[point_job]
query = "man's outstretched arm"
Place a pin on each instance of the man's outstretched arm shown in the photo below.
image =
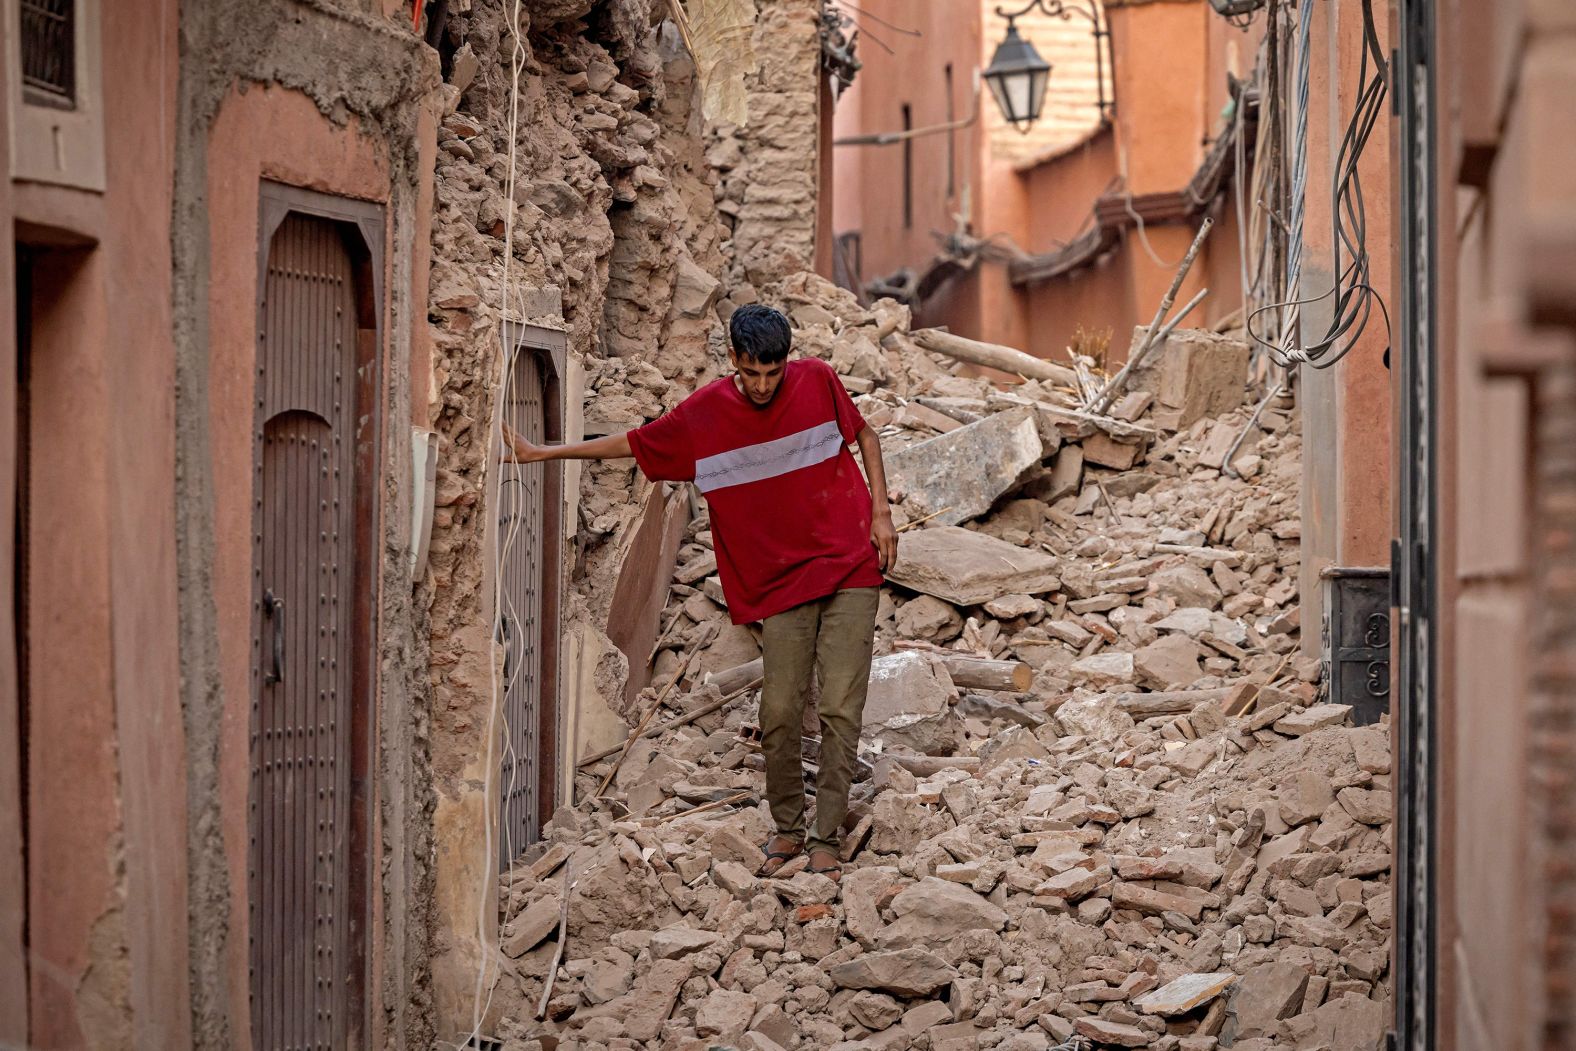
(517, 450)
(882, 535)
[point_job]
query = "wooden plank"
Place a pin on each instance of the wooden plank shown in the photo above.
(635, 616)
(993, 355)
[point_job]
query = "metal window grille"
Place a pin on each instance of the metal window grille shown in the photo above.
(49, 52)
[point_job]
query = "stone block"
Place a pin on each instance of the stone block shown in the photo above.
(1202, 374)
(967, 568)
(958, 475)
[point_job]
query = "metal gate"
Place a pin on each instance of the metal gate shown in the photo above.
(1412, 573)
(527, 509)
(302, 640)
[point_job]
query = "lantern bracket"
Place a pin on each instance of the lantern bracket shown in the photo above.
(1102, 37)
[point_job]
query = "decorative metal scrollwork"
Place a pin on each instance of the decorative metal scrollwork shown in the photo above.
(1378, 634)
(1378, 679)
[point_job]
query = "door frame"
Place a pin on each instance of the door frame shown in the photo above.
(550, 346)
(1414, 574)
(362, 224)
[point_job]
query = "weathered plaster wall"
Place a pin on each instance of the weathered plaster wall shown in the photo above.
(344, 114)
(13, 862)
(1346, 408)
(101, 884)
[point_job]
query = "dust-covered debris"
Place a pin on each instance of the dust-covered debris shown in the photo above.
(1143, 829)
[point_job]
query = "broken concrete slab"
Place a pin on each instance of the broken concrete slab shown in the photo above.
(1264, 996)
(1008, 607)
(909, 682)
(934, 911)
(645, 1008)
(927, 617)
(1066, 473)
(958, 475)
(676, 942)
(1349, 1023)
(1105, 451)
(967, 568)
(1370, 807)
(1152, 902)
(909, 704)
(725, 1014)
(1191, 621)
(1308, 720)
(1308, 795)
(1115, 1034)
(908, 972)
(528, 930)
(1184, 994)
(1103, 669)
(1168, 663)
(1187, 585)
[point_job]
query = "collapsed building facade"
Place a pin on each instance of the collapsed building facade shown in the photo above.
(633, 219)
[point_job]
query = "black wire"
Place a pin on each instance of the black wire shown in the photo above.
(1354, 294)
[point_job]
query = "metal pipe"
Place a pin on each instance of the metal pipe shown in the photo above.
(888, 138)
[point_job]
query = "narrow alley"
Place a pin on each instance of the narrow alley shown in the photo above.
(787, 525)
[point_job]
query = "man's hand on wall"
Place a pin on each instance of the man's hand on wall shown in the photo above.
(517, 450)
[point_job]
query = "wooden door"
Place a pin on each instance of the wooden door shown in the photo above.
(303, 636)
(526, 534)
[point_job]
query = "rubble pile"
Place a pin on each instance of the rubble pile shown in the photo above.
(1100, 801)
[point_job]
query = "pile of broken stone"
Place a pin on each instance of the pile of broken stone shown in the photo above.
(1101, 803)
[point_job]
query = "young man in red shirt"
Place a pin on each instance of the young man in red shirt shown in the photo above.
(801, 546)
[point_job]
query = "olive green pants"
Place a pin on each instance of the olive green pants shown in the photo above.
(831, 637)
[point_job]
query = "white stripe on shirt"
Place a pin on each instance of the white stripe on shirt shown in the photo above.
(753, 463)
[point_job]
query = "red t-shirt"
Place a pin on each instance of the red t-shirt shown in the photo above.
(790, 512)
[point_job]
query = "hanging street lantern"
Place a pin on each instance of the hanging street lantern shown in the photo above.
(1018, 75)
(1235, 8)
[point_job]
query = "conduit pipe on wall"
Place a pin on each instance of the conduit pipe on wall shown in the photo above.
(891, 138)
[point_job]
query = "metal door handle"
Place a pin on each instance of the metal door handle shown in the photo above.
(508, 647)
(274, 610)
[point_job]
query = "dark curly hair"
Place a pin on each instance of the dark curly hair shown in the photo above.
(760, 334)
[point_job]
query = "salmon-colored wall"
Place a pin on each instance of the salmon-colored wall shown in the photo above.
(1364, 530)
(1505, 342)
(275, 134)
(1345, 407)
(1169, 62)
(106, 881)
(1169, 87)
(73, 781)
(867, 181)
(13, 878)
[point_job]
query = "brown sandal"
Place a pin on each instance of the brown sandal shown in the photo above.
(781, 856)
(833, 872)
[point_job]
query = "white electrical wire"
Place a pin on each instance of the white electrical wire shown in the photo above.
(1291, 321)
(1127, 200)
(482, 994)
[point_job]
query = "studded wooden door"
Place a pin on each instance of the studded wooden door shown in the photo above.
(526, 771)
(302, 638)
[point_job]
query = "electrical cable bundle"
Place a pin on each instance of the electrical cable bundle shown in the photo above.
(1353, 293)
